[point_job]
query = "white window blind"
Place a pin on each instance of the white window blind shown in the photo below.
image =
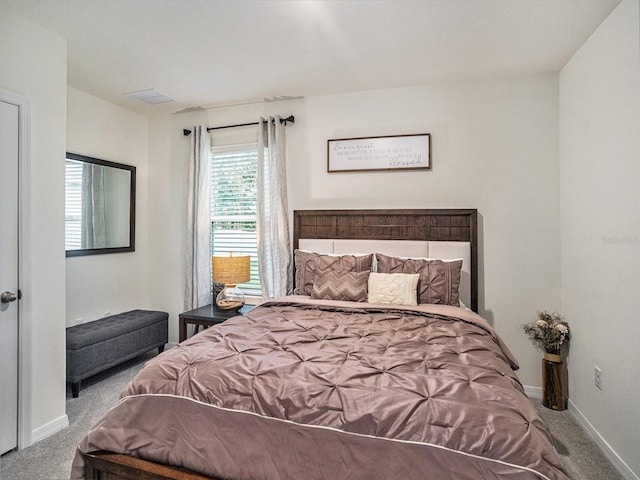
(73, 205)
(234, 171)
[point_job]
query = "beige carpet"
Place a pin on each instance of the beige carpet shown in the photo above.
(582, 458)
(51, 458)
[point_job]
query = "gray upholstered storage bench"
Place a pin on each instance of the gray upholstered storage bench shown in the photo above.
(93, 347)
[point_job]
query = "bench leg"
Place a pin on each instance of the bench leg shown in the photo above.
(75, 389)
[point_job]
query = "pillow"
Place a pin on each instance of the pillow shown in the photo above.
(308, 264)
(393, 288)
(350, 286)
(439, 280)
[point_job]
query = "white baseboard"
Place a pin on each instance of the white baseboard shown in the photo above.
(48, 429)
(533, 392)
(614, 458)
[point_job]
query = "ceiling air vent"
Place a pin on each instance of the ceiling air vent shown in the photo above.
(150, 97)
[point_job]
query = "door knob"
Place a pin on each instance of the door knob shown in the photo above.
(7, 297)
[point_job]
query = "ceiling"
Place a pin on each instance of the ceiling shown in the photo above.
(208, 53)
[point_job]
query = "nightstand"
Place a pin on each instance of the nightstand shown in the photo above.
(206, 316)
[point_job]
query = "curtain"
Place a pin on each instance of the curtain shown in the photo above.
(93, 222)
(273, 212)
(197, 291)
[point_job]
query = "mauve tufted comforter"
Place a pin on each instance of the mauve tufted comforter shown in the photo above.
(304, 389)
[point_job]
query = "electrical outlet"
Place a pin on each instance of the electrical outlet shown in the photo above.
(597, 377)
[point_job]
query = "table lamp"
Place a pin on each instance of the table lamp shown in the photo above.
(230, 271)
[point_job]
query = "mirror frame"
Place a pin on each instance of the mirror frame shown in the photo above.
(132, 208)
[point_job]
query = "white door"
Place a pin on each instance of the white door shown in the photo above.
(8, 276)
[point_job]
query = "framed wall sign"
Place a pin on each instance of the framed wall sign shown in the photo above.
(393, 152)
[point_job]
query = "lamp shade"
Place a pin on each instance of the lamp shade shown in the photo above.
(231, 270)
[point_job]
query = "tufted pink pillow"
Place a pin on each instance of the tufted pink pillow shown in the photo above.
(308, 264)
(439, 280)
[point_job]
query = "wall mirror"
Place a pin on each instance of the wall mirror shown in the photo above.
(100, 206)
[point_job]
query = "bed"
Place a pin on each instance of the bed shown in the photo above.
(324, 385)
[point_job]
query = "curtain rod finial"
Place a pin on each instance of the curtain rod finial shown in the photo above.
(186, 132)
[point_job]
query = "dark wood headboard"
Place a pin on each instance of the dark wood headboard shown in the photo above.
(454, 225)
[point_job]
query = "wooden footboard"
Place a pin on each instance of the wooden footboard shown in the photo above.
(115, 466)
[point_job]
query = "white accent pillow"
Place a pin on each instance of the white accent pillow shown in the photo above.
(393, 288)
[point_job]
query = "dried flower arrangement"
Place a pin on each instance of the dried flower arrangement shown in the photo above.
(548, 333)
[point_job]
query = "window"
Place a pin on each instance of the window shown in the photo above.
(234, 172)
(73, 205)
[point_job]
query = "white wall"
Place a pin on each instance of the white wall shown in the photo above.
(494, 148)
(169, 149)
(600, 197)
(115, 282)
(34, 64)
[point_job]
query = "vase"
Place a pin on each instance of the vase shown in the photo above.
(554, 382)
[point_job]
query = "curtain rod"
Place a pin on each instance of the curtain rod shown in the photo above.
(290, 119)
